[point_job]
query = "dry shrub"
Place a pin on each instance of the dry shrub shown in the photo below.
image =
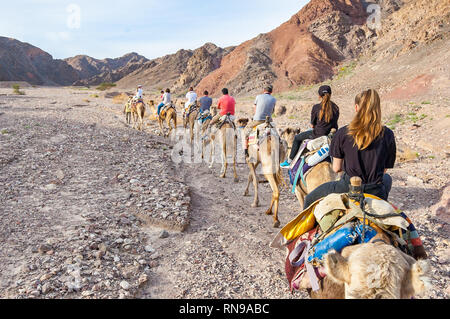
(121, 98)
(406, 155)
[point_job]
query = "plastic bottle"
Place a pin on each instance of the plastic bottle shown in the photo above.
(319, 156)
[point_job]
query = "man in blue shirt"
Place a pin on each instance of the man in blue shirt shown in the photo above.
(205, 102)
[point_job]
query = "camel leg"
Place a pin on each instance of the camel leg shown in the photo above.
(275, 199)
(236, 179)
(255, 183)
(161, 126)
(250, 177)
(224, 155)
(300, 194)
(213, 151)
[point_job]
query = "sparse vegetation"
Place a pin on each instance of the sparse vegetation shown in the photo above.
(4, 131)
(94, 95)
(16, 89)
(426, 102)
(346, 70)
(105, 86)
(398, 118)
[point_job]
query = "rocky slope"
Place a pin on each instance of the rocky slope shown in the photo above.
(303, 50)
(178, 71)
(94, 71)
(21, 61)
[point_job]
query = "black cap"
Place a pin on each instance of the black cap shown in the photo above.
(324, 89)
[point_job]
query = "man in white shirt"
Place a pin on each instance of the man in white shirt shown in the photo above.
(139, 93)
(191, 97)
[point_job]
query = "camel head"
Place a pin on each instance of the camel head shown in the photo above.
(151, 102)
(242, 122)
(288, 135)
(377, 271)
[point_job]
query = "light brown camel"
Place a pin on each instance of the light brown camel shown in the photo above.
(168, 116)
(374, 270)
(269, 154)
(320, 174)
(205, 139)
(228, 137)
(138, 111)
(190, 120)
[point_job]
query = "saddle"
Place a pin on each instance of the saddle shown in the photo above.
(135, 102)
(192, 108)
(202, 117)
(303, 161)
(335, 222)
(228, 118)
(261, 132)
(165, 108)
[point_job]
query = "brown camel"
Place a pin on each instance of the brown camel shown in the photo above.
(375, 270)
(270, 153)
(190, 121)
(320, 174)
(168, 116)
(138, 111)
(228, 137)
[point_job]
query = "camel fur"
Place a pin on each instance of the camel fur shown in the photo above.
(374, 270)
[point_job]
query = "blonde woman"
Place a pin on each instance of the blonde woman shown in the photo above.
(365, 148)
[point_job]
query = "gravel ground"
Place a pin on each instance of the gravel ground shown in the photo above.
(94, 209)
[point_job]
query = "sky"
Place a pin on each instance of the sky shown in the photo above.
(152, 28)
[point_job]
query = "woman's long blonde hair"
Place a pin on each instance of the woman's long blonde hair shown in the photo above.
(366, 125)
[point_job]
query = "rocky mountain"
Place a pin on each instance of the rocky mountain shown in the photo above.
(178, 71)
(304, 50)
(21, 61)
(94, 71)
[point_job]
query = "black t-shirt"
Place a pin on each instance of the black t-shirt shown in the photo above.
(322, 128)
(370, 163)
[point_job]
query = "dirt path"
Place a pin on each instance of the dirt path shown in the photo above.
(75, 182)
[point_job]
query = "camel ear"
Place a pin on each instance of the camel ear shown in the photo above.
(416, 281)
(336, 267)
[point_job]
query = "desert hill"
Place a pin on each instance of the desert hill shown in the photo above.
(21, 61)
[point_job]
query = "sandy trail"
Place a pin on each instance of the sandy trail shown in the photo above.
(61, 164)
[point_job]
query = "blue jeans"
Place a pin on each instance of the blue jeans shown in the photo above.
(342, 186)
(160, 107)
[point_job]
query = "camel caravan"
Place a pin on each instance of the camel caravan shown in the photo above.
(348, 241)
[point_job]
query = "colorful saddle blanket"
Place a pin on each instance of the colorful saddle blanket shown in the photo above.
(307, 242)
(202, 117)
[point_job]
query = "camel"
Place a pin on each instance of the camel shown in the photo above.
(204, 137)
(190, 120)
(320, 174)
(270, 162)
(169, 116)
(226, 140)
(376, 270)
(138, 111)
